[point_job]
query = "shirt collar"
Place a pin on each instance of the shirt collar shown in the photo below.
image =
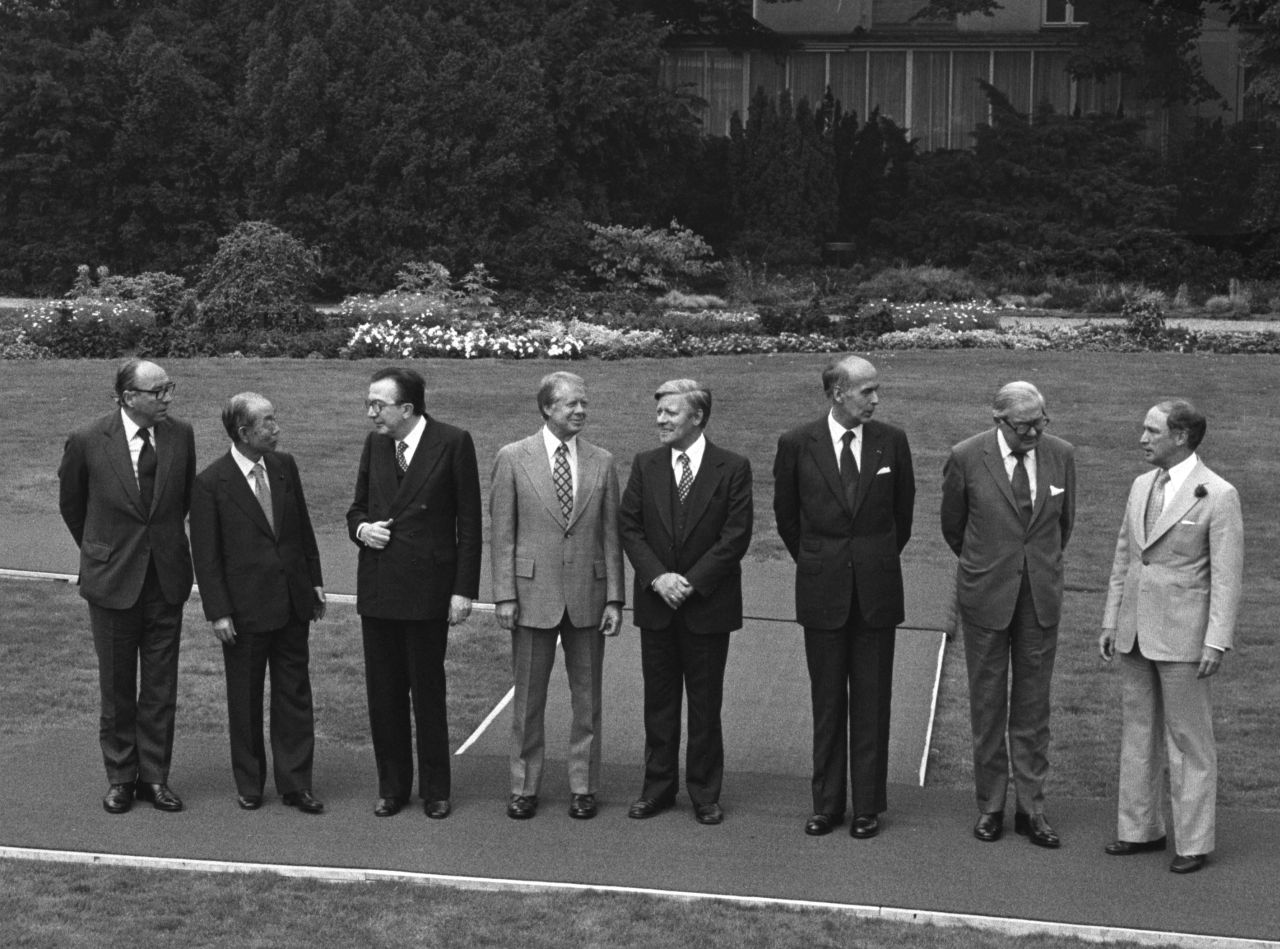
(414, 435)
(694, 452)
(1006, 451)
(1179, 473)
(245, 465)
(131, 428)
(837, 430)
(551, 443)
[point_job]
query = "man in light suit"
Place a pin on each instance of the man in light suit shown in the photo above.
(416, 518)
(1171, 615)
(686, 524)
(844, 494)
(125, 489)
(259, 571)
(1008, 505)
(557, 571)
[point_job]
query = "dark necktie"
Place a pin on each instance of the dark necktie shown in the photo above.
(262, 492)
(563, 479)
(686, 478)
(848, 468)
(1155, 502)
(401, 460)
(1022, 486)
(146, 469)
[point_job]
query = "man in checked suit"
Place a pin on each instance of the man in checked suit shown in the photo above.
(844, 493)
(557, 572)
(416, 518)
(1171, 615)
(1008, 505)
(259, 571)
(124, 495)
(686, 524)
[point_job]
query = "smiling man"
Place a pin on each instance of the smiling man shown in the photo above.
(685, 520)
(1008, 506)
(843, 498)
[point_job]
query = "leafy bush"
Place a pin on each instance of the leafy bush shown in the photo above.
(918, 284)
(630, 257)
(260, 278)
(87, 327)
(1144, 317)
(15, 344)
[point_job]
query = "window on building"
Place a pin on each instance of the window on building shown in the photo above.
(1064, 13)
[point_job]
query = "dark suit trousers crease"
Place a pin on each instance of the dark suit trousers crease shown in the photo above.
(404, 676)
(851, 685)
(1026, 650)
(285, 652)
(674, 661)
(135, 728)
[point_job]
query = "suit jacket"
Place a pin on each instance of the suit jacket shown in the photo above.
(1178, 589)
(548, 564)
(436, 539)
(258, 575)
(708, 552)
(835, 547)
(101, 505)
(983, 526)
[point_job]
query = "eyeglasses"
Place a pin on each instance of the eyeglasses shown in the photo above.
(1026, 428)
(160, 392)
(377, 405)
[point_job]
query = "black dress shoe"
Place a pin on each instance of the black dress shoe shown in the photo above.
(387, 807)
(522, 806)
(990, 827)
(708, 813)
(1188, 864)
(647, 807)
(119, 798)
(1036, 828)
(1127, 848)
(161, 798)
(582, 806)
(304, 801)
(819, 825)
(864, 826)
(437, 810)
(249, 802)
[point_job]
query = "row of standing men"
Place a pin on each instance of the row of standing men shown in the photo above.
(844, 492)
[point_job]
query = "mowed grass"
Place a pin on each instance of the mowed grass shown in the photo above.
(1096, 401)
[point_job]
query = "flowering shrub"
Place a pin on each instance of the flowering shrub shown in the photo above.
(647, 257)
(940, 337)
(87, 327)
(14, 344)
(416, 341)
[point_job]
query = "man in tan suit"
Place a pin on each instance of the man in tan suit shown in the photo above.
(557, 571)
(1171, 615)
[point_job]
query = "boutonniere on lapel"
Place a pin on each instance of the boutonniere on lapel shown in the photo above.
(1201, 491)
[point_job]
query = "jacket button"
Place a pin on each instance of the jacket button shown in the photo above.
(1146, 562)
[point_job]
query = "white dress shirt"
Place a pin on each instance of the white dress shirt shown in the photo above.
(695, 453)
(551, 443)
(131, 429)
(1011, 463)
(837, 440)
(1177, 475)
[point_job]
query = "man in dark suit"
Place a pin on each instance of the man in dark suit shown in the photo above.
(259, 571)
(1008, 505)
(844, 493)
(124, 494)
(416, 518)
(685, 521)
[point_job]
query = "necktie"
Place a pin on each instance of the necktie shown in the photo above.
(401, 460)
(563, 480)
(848, 468)
(1155, 502)
(686, 478)
(262, 492)
(1022, 486)
(146, 469)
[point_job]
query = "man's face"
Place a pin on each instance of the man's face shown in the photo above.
(1160, 446)
(384, 409)
(147, 402)
(677, 422)
(855, 399)
(262, 434)
(567, 413)
(1023, 424)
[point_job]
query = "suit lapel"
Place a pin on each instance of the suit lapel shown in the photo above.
(995, 465)
(589, 470)
(1044, 463)
(657, 472)
(166, 451)
(872, 452)
(824, 457)
(425, 458)
(117, 450)
(538, 470)
(704, 486)
(1175, 508)
(279, 487)
(242, 495)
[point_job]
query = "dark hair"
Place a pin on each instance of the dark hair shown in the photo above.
(126, 377)
(551, 383)
(1182, 416)
(237, 412)
(695, 394)
(411, 388)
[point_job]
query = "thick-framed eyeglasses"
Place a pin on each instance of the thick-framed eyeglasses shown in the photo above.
(160, 392)
(377, 406)
(1026, 428)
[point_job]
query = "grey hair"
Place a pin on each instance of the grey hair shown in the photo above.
(696, 396)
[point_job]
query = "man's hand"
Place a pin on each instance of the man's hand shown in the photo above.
(1107, 644)
(673, 588)
(507, 612)
(1210, 662)
(224, 631)
(377, 534)
(611, 621)
(459, 609)
(317, 611)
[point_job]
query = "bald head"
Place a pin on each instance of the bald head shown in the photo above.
(852, 386)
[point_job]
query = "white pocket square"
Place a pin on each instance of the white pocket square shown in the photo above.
(1192, 523)
(884, 470)
(1054, 490)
